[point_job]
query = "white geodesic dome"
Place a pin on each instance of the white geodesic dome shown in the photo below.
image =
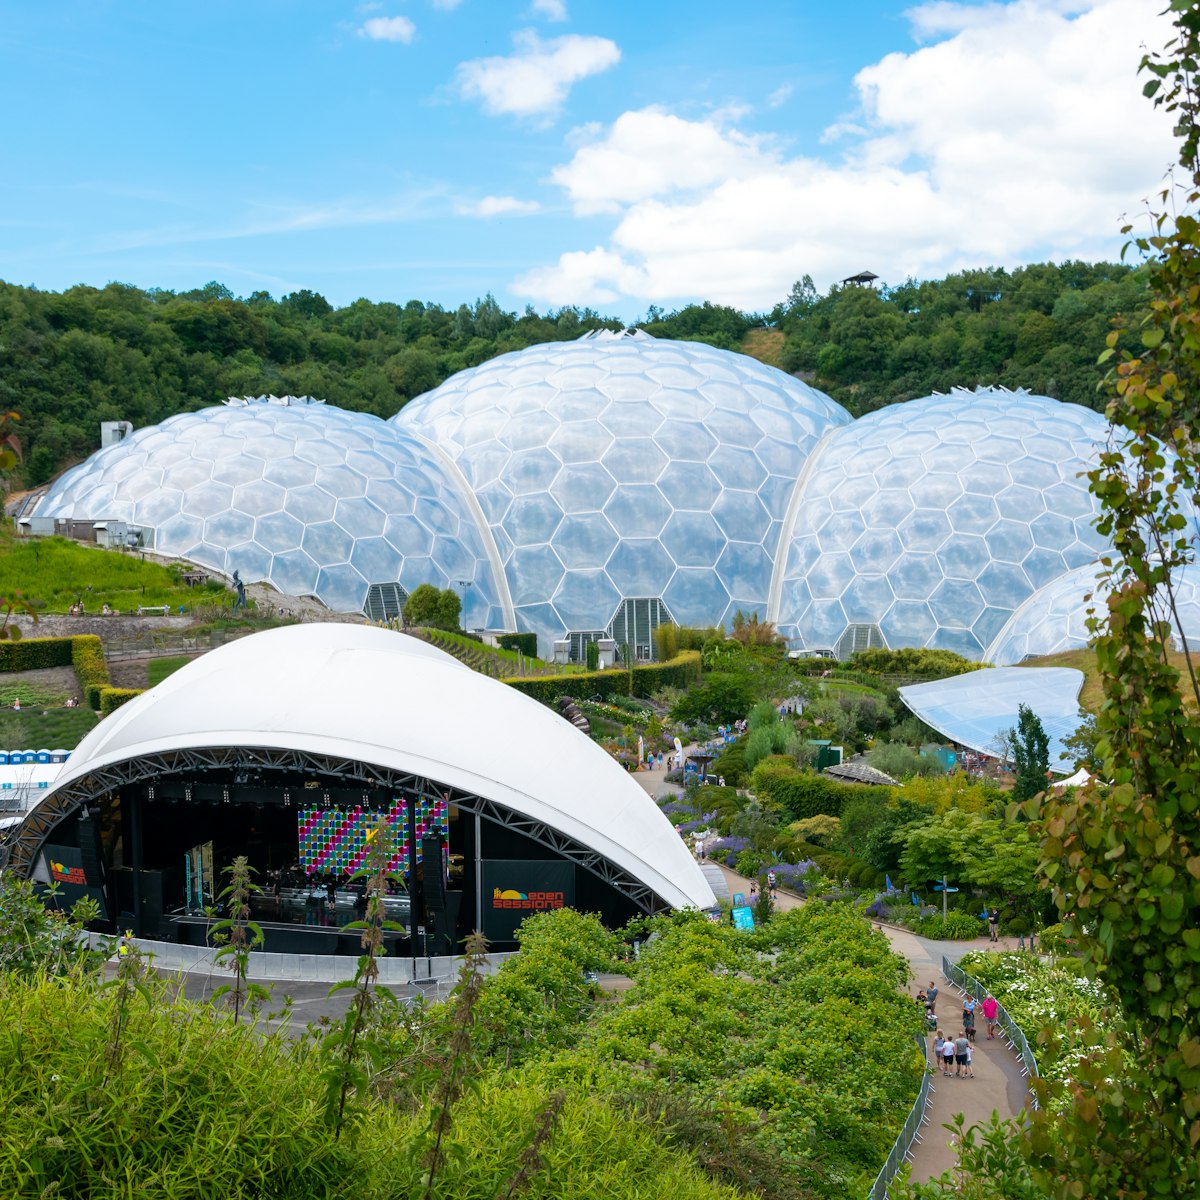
(306, 496)
(624, 467)
(931, 521)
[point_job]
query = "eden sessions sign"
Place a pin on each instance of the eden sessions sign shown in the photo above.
(64, 866)
(513, 889)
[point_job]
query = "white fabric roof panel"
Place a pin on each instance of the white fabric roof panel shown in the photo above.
(973, 709)
(380, 697)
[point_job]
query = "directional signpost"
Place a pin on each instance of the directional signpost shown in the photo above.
(941, 887)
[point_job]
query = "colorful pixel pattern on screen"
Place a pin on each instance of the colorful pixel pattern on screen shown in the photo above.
(337, 841)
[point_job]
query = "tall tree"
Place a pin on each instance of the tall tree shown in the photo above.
(1030, 753)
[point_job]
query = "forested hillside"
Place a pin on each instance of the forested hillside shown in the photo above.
(69, 361)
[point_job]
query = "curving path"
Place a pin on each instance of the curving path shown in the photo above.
(998, 1085)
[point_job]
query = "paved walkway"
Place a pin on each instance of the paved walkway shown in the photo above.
(998, 1084)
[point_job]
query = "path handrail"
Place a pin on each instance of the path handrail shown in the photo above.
(1013, 1033)
(908, 1134)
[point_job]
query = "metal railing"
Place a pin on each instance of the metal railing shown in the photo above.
(1014, 1035)
(909, 1134)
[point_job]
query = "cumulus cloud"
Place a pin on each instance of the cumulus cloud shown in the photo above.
(649, 153)
(552, 10)
(499, 206)
(780, 95)
(1020, 133)
(536, 78)
(388, 29)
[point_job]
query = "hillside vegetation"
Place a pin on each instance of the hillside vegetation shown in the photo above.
(73, 359)
(54, 572)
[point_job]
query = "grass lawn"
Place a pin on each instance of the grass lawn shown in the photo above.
(52, 572)
(51, 729)
(157, 669)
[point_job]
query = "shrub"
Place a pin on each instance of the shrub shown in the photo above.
(91, 668)
(526, 643)
(748, 863)
(112, 698)
(730, 764)
(593, 656)
(957, 926)
(646, 680)
(35, 654)
(800, 794)
(1055, 940)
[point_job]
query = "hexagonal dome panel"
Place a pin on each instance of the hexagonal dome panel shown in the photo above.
(308, 497)
(962, 504)
(690, 454)
(1055, 617)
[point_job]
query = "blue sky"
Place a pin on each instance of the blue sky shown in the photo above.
(560, 151)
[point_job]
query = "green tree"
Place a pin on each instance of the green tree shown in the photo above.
(1029, 749)
(433, 608)
(721, 697)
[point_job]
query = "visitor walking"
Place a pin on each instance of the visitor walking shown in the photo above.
(968, 1011)
(961, 1047)
(931, 995)
(994, 924)
(990, 1009)
(947, 1057)
(970, 1061)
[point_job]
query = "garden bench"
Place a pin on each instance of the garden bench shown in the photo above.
(149, 610)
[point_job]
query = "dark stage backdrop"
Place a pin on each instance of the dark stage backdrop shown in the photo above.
(515, 888)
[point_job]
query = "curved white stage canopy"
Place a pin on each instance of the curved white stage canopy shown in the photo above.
(378, 697)
(975, 708)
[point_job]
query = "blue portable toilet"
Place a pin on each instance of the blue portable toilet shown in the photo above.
(43, 756)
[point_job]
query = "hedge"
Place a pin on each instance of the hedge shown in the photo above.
(35, 654)
(680, 672)
(91, 667)
(802, 793)
(526, 643)
(112, 698)
(84, 652)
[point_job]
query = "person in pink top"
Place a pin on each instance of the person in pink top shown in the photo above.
(989, 1015)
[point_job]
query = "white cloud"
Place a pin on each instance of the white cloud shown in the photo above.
(649, 153)
(535, 79)
(1021, 134)
(388, 29)
(446, 5)
(780, 95)
(552, 10)
(499, 206)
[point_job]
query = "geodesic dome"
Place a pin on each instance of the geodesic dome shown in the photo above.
(311, 498)
(1055, 617)
(626, 468)
(928, 523)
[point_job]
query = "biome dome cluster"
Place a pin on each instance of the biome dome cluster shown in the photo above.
(600, 487)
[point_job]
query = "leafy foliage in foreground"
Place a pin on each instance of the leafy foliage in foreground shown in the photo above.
(756, 1027)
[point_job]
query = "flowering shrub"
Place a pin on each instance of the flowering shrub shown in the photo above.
(1041, 994)
(802, 877)
(723, 849)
